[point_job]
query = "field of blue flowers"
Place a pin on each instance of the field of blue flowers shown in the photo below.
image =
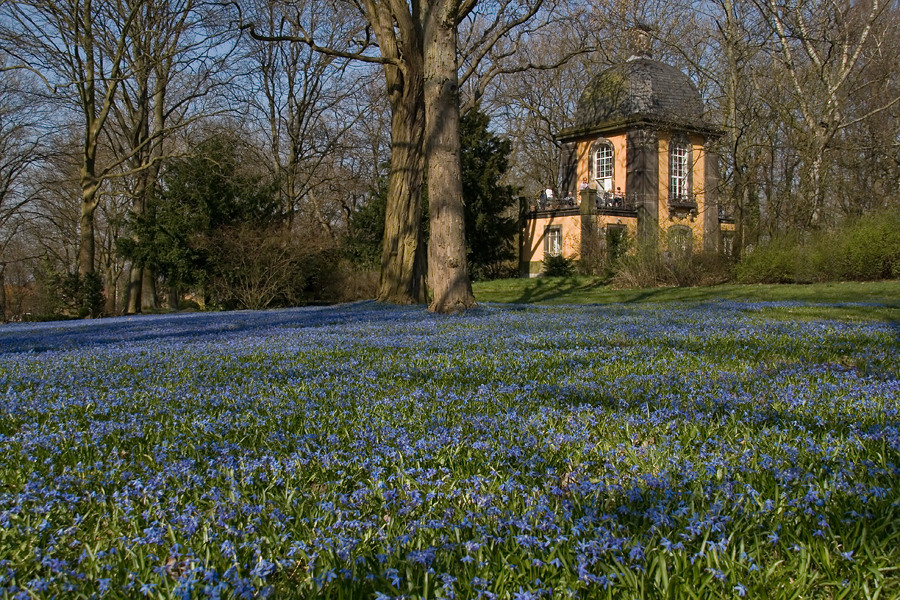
(718, 450)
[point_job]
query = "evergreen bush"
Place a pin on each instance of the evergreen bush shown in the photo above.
(558, 266)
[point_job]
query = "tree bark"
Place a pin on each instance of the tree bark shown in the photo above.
(448, 272)
(403, 250)
(112, 292)
(402, 256)
(173, 296)
(133, 292)
(87, 244)
(2, 293)
(150, 299)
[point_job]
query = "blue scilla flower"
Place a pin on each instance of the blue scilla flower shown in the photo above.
(147, 588)
(263, 569)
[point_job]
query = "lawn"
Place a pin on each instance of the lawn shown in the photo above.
(711, 448)
(592, 290)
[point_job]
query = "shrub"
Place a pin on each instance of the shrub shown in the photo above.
(558, 266)
(262, 268)
(865, 249)
(63, 295)
(774, 263)
(648, 268)
(870, 249)
(643, 269)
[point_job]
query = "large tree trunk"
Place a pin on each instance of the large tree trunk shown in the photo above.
(402, 256)
(112, 291)
(447, 270)
(133, 292)
(403, 249)
(173, 297)
(148, 287)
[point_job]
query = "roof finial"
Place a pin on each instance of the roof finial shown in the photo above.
(641, 41)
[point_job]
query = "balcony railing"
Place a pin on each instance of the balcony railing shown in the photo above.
(682, 203)
(602, 203)
(608, 201)
(682, 206)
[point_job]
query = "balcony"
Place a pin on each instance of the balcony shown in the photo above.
(617, 204)
(591, 202)
(682, 205)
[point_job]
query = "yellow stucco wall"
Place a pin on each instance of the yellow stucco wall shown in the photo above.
(628, 222)
(698, 176)
(535, 232)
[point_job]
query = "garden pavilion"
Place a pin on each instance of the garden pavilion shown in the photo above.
(637, 166)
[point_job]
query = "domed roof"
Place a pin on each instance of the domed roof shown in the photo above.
(639, 89)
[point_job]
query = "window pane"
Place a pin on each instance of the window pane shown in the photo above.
(554, 241)
(678, 170)
(603, 166)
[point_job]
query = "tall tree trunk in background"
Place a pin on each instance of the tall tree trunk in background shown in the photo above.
(109, 276)
(447, 270)
(150, 297)
(95, 112)
(173, 297)
(2, 293)
(732, 127)
(133, 291)
(90, 188)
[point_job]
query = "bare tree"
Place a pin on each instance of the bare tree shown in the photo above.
(823, 48)
(175, 59)
(418, 49)
(308, 106)
(21, 150)
(79, 46)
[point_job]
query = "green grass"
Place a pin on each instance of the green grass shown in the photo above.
(592, 290)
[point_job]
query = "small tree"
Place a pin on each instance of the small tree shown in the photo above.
(490, 221)
(365, 231)
(200, 196)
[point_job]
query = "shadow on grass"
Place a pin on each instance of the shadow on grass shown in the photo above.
(880, 300)
(550, 289)
(196, 326)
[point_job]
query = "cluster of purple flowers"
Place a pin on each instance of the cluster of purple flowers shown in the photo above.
(375, 451)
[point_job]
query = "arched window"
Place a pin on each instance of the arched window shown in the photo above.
(679, 170)
(681, 241)
(603, 165)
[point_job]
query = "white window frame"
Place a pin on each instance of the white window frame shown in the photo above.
(603, 165)
(554, 241)
(679, 170)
